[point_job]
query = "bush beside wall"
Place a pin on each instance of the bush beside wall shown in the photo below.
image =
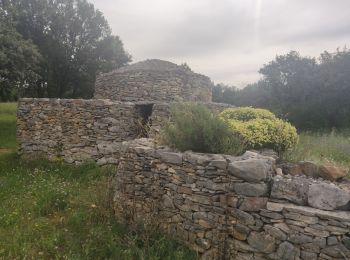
(261, 129)
(194, 127)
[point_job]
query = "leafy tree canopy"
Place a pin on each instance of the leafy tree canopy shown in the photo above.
(74, 40)
(19, 61)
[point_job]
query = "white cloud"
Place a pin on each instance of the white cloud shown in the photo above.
(228, 40)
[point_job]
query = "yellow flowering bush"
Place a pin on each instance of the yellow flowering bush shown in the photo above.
(261, 129)
(246, 114)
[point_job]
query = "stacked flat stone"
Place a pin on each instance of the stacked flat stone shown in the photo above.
(78, 130)
(153, 80)
(229, 207)
(74, 129)
(224, 207)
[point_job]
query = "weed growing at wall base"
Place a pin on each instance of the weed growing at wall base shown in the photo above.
(54, 211)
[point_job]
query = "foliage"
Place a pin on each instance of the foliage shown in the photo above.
(261, 129)
(246, 114)
(55, 211)
(19, 61)
(194, 127)
(74, 40)
(332, 147)
(311, 93)
(8, 125)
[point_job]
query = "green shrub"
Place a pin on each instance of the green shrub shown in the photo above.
(261, 129)
(246, 114)
(194, 127)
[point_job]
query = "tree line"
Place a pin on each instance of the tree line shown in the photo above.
(54, 48)
(312, 93)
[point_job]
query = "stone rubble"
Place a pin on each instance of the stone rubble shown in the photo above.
(325, 171)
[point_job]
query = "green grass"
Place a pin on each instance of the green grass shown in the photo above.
(8, 125)
(322, 147)
(54, 211)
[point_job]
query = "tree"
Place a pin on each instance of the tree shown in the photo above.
(225, 94)
(311, 93)
(334, 73)
(75, 40)
(19, 62)
(289, 78)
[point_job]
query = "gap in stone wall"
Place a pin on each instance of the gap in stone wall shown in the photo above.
(145, 111)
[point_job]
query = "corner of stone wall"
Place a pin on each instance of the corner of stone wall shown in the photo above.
(75, 130)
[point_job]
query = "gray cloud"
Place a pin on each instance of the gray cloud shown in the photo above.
(228, 40)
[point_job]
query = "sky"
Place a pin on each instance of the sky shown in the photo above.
(227, 40)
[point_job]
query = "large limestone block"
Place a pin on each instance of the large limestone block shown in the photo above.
(251, 170)
(170, 157)
(328, 196)
(341, 216)
(291, 189)
(331, 172)
(251, 189)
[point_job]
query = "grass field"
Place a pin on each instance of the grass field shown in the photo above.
(8, 125)
(331, 147)
(55, 211)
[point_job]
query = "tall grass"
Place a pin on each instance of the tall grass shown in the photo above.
(331, 147)
(54, 211)
(8, 125)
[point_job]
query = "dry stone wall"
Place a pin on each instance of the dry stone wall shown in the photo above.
(75, 129)
(228, 207)
(78, 130)
(153, 80)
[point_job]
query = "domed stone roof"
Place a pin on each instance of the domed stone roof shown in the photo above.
(153, 80)
(153, 65)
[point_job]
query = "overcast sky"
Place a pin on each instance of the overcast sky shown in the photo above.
(227, 40)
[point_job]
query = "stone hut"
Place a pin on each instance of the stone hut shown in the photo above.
(131, 102)
(224, 207)
(153, 80)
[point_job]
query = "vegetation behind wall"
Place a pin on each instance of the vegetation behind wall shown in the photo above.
(310, 93)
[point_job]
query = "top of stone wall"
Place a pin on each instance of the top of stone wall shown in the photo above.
(153, 65)
(253, 167)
